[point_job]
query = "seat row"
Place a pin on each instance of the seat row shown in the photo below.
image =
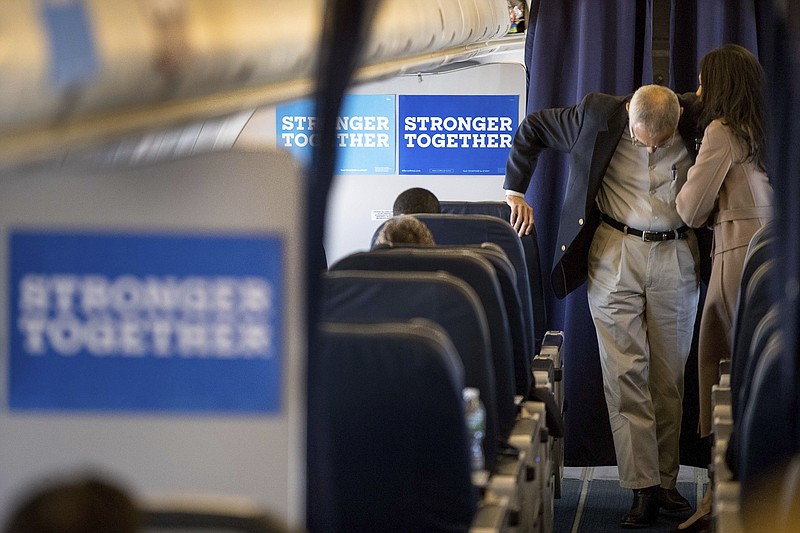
(751, 408)
(404, 330)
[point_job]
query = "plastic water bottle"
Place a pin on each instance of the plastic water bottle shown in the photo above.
(476, 426)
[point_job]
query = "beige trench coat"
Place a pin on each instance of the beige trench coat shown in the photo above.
(735, 198)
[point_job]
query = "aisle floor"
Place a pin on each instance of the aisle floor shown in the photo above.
(592, 500)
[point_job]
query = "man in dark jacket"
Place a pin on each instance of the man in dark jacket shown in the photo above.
(619, 230)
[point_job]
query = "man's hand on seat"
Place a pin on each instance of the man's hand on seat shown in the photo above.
(521, 215)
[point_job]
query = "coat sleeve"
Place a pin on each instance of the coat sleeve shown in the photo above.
(697, 199)
(555, 128)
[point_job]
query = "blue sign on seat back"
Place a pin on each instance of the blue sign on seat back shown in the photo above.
(370, 297)
(480, 275)
(152, 325)
(388, 447)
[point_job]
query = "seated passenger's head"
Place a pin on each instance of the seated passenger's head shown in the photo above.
(87, 505)
(404, 229)
(416, 200)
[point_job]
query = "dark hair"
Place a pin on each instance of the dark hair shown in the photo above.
(732, 90)
(88, 505)
(416, 200)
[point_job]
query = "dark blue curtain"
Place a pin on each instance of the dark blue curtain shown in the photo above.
(575, 47)
(697, 27)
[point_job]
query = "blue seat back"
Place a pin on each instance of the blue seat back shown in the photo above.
(530, 245)
(490, 208)
(372, 297)
(762, 333)
(480, 275)
(387, 442)
(766, 442)
(520, 338)
(758, 251)
(755, 300)
(477, 229)
(523, 348)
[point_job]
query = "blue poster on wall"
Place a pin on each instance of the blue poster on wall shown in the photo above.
(145, 322)
(455, 134)
(365, 133)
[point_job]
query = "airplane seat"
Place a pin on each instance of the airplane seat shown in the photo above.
(766, 441)
(520, 335)
(506, 274)
(360, 292)
(536, 316)
(758, 251)
(227, 252)
(202, 515)
(508, 478)
(762, 333)
(546, 362)
(479, 273)
(507, 277)
(755, 322)
(369, 296)
(490, 208)
(477, 229)
(530, 245)
(472, 229)
(753, 306)
(727, 453)
(388, 446)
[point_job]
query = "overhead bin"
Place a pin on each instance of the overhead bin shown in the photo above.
(85, 57)
(403, 28)
(87, 69)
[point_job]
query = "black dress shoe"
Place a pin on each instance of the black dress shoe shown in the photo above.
(671, 501)
(644, 510)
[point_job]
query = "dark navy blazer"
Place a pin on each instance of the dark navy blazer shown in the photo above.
(589, 132)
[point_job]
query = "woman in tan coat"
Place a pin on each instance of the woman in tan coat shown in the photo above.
(728, 189)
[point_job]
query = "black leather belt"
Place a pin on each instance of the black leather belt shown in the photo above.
(646, 235)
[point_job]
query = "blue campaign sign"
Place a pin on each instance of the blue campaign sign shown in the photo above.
(145, 322)
(456, 134)
(365, 133)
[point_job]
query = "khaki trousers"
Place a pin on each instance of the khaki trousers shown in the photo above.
(643, 299)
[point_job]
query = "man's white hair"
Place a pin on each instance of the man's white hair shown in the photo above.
(655, 109)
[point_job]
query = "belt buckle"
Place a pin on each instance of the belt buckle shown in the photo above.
(659, 236)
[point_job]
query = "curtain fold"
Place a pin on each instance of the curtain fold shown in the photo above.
(699, 27)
